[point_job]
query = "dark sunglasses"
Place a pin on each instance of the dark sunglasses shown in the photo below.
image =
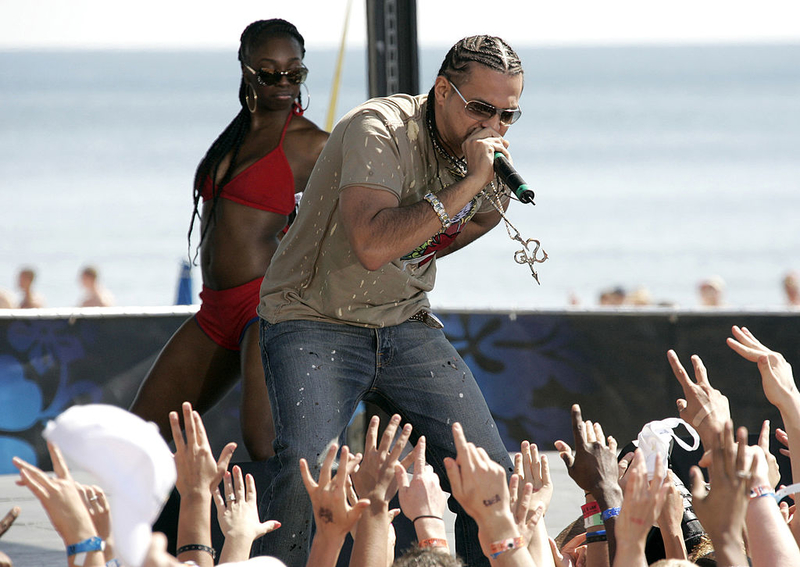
(480, 110)
(272, 78)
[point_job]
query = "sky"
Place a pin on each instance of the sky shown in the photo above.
(184, 24)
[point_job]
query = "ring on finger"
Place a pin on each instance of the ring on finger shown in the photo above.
(743, 474)
(232, 497)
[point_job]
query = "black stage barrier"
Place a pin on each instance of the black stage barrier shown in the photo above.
(531, 367)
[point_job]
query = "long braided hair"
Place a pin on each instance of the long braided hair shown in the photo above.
(230, 141)
(486, 50)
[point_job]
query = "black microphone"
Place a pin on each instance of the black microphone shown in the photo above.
(508, 175)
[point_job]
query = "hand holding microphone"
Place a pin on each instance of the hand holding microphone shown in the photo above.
(508, 175)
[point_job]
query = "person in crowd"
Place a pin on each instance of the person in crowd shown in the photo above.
(612, 296)
(7, 300)
(95, 294)
(5, 524)
(478, 483)
(244, 192)
(744, 522)
(711, 292)
(81, 514)
(639, 297)
(344, 311)
(199, 476)
(791, 287)
(30, 298)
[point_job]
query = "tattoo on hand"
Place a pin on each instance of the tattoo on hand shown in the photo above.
(494, 500)
(325, 515)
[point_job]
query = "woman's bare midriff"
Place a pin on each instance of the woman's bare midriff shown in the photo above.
(239, 246)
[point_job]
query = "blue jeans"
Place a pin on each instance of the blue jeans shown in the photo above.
(318, 372)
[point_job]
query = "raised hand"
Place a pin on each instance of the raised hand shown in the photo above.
(477, 482)
(722, 510)
(526, 514)
(532, 493)
(772, 462)
(535, 469)
(423, 496)
(776, 374)
(237, 513)
(702, 406)
(479, 485)
(61, 500)
(783, 439)
(198, 476)
(592, 464)
(643, 503)
(375, 476)
(333, 515)
(198, 471)
(669, 520)
(94, 498)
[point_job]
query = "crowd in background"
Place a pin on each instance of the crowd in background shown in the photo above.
(628, 495)
(710, 293)
(94, 293)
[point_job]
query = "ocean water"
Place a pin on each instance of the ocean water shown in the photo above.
(652, 166)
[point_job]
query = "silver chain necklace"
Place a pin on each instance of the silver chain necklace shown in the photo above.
(530, 247)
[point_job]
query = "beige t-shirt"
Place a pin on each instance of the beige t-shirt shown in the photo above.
(314, 274)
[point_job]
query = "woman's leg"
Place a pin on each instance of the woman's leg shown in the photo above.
(192, 368)
(255, 414)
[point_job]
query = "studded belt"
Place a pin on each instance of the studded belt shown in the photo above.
(425, 316)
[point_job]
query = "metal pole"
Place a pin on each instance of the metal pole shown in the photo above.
(392, 47)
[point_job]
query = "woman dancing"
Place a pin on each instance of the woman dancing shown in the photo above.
(246, 182)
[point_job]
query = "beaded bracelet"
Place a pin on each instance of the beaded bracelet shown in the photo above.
(500, 547)
(438, 208)
(611, 512)
(433, 542)
(197, 547)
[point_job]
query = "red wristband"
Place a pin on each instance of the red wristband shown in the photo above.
(433, 542)
(590, 509)
(499, 547)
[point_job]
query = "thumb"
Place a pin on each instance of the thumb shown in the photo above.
(400, 475)
(270, 526)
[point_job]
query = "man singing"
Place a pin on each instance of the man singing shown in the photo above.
(344, 311)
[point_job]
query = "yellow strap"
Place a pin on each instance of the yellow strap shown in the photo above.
(337, 74)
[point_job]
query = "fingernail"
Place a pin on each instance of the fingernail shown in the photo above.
(277, 524)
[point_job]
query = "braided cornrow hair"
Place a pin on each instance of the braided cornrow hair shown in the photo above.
(486, 50)
(232, 137)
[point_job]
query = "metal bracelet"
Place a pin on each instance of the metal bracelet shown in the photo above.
(438, 208)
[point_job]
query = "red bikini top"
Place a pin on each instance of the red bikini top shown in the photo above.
(267, 184)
